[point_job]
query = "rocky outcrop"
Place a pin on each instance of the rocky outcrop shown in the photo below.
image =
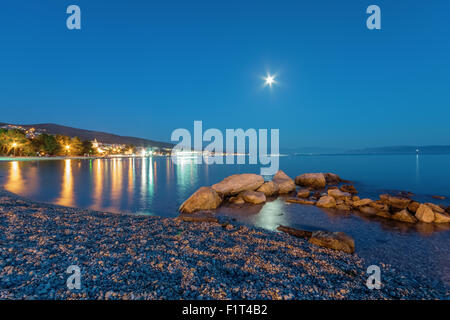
(303, 193)
(404, 216)
(326, 202)
(237, 183)
(284, 182)
(425, 214)
(269, 188)
(205, 198)
(253, 197)
(333, 240)
(313, 180)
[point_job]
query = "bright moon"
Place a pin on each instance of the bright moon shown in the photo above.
(269, 80)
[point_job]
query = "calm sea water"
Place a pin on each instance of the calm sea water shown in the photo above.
(157, 186)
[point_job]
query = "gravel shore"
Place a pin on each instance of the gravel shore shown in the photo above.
(143, 257)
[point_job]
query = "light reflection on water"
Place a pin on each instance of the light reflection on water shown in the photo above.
(157, 186)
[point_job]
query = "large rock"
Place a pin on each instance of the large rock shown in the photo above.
(332, 178)
(326, 202)
(441, 217)
(333, 240)
(313, 180)
(237, 183)
(338, 194)
(425, 214)
(395, 202)
(404, 216)
(269, 188)
(348, 188)
(284, 182)
(205, 198)
(253, 197)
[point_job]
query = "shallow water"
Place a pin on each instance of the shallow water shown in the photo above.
(157, 186)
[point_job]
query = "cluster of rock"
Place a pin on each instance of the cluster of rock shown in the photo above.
(323, 190)
(344, 198)
(238, 189)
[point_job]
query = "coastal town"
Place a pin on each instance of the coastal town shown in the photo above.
(20, 141)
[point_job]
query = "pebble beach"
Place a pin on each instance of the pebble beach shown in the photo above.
(124, 256)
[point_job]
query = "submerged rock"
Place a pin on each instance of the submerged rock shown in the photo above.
(269, 188)
(284, 182)
(425, 214)
(237, 183)
(313, 180)
(253, 197)
(333, 240)
(204, 198)
(326, 202)
(295, 232)
(300, 201)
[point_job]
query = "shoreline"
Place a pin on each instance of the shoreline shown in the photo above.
(146, 257)
(6, 159)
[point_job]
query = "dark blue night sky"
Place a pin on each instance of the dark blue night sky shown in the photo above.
(145, 68)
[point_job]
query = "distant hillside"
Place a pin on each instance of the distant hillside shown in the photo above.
(103, 137)
(404, 150)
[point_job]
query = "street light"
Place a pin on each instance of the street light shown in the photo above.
(67, 149)
(14, 145)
